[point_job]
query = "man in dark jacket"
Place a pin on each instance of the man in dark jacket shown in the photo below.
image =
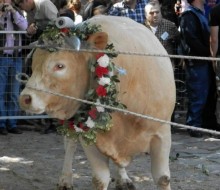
(200, 77)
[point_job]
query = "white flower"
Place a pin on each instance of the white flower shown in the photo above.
(99, 108)
(103, 61)
(90, 123)
(110, 73)
(104, 80)
(77, 129)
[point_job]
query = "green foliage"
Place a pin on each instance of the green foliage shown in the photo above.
(81, 125)
(53, 37)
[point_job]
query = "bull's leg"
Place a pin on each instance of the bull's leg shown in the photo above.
(66, 178)
(100, 167)
(159, 152)
(123, 182)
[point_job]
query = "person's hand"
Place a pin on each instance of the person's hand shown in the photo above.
(9, 8)
(32, 29)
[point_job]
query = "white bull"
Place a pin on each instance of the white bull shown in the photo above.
(148, 88)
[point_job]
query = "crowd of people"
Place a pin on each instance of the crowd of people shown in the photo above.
(187, 27)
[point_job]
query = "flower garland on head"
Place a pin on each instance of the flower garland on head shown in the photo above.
(53, 37)
(89, 119)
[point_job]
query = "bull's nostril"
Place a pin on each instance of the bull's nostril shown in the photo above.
(27, 99)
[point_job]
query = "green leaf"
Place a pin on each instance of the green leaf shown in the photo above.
(103, 121)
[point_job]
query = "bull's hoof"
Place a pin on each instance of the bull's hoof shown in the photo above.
(164, 183)
(64, 188)
(125, 186)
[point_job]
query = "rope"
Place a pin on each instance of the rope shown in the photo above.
(18, 77)
(142, 54)
(114, 52)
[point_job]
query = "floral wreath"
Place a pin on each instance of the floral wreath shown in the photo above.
(90, 119)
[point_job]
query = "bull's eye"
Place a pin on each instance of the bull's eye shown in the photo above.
(59, 66)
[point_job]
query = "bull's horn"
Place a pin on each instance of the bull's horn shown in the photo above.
(73, 42)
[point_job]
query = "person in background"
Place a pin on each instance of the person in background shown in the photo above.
(87, 10)
(64, 10)
(99, 10)
(75, 6)
(133, 9)
(214, 22)
(10, 64)
(39, 14)
(209, 5)
(200, 76)
(165, 30)
(43, 11)
(97, 7)
(184, 4)
(178, 7)
(167, 9)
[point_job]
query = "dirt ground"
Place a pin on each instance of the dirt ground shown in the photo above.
(33, 161)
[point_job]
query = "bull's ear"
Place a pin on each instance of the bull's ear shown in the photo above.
(99, 40)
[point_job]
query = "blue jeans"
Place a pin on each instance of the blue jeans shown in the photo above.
(9, 89)
(198, 84)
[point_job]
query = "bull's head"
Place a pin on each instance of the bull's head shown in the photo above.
(65, 72)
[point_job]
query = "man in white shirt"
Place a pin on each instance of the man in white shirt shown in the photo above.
(44, 13)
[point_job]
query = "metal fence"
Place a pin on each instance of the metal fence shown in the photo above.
(10, 61)
(181, 92)
(181, 103)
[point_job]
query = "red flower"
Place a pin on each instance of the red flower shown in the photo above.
(92, 113)
(83, 127)
(64, 30)
(71, 125)
(61, 122)
(101, 91)
(99, 55)
(100, 71)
